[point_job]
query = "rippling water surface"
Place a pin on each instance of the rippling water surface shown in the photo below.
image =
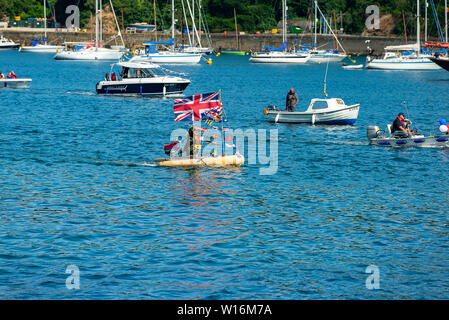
(78, 188)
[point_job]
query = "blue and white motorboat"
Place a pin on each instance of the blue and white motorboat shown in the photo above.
(380, 137)
(331, 111)
(142, 79)
(6, 44)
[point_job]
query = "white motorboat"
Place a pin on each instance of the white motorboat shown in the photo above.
(6, 44)
(331, 111)
(142, 79)
(18, 83)
(379, 137)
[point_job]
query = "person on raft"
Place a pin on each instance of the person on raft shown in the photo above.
(400, 126)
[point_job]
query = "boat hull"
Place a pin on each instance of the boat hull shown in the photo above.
(90, 54)
(416, 141)
(413, 64)
(442, 62)
(39, 49)
(320, 58)
(344, 116)
(9, 47)
(232, 160)
(279, 58)
(169, 59)
(15, 83)
(141, 88)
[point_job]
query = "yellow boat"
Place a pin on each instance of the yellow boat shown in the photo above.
(232, 160)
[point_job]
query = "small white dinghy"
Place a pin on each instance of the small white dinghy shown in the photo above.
(331, 111)
(352, 66)
(18, 83)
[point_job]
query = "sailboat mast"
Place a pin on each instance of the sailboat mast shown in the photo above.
(418, 28)
(284, 31)
(96, 24)
(236, 31)
(425, 19)
(101, 23)
(45, 21)
(314, 23)
(173, 22)
(445, 16)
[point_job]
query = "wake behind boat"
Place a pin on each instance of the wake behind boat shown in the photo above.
(331, 111)
(141, 79)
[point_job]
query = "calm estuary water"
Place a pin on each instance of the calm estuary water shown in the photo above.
(77, 189)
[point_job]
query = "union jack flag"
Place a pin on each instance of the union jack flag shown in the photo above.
(192, 108)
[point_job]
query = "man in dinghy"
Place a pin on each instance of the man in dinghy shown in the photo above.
(400, 126)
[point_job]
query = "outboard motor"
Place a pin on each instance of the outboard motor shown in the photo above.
(372, 132)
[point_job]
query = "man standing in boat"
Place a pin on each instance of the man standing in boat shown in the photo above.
(291, 101)
(401, 126)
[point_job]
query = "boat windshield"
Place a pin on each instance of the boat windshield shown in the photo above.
(146, 73)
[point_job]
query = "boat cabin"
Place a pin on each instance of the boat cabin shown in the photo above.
(134, 70)
(317, 105)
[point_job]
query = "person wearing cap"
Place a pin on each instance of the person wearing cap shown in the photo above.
(401, 126)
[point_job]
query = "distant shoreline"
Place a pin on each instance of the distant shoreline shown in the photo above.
(353, 44)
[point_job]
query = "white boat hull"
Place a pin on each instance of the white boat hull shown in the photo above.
(347, 115)
(160, 58)
(402, 64)
(40, 48)
(279, 57)
(320, 58)
(15, 83)
(90, 54)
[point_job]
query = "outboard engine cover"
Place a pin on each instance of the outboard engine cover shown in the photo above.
(372, 132)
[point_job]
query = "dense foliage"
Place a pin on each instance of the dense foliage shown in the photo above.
(252, 15)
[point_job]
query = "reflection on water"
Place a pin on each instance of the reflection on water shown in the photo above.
(79, 186)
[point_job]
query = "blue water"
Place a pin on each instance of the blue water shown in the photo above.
(78, 188)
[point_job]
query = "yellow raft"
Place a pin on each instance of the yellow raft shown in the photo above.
(233, 160)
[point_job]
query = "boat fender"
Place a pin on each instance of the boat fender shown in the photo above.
(107, 90)
(419, 140)
(384, 143)
(140, 89)
(442, 139)
(401, 142)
